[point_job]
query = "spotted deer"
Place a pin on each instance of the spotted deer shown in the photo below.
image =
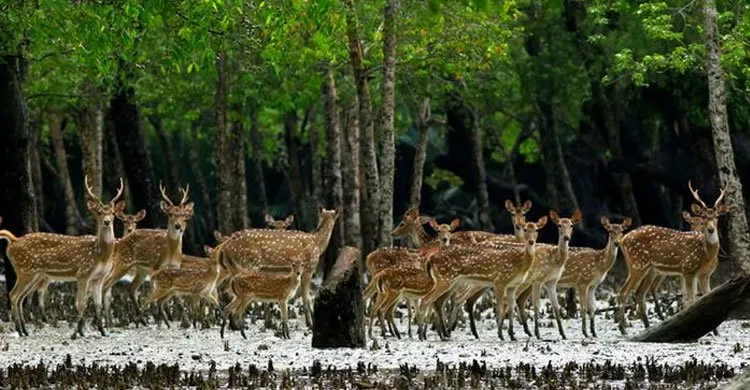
(501, 266)
(55, 257)
(471, 294)
(394, 260)
(250, 248)
(547, 270)
(197, 278)
(586, 269)
(147, 250)
(263, 286)
(280, 224)
(671, 252)
(129, 224)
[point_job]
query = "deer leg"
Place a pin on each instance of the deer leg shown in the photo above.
(305, 286)
(134, 287)
(583, 296)
(705, 284)
(390, 309)
(591, 307)
(439, 304)
(522, 315)
(81, 297)
(552, 295)
(536, 298)
(97, 288)
(41, 292)
(23, 284)
(469, 307)
(409, 309)
(655, 296)
(633, 280)
(439, 288)
(692, 284)
(511, 299)
(500, 308)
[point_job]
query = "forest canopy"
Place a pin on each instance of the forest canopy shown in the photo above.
(268, 107)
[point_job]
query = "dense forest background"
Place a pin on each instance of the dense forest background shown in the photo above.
(372, 107)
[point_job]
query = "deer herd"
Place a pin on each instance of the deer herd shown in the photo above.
(446, 272)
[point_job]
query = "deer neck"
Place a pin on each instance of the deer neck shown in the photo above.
(323, 232)
(105, 242)
(173, 255)
(419, 237)
(530, 254)
(562, 249)
(609, 254)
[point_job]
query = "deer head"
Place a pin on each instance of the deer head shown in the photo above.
(710, 215)
(697, 224)
(615, 230)
(518, 215)
(279, 225)
(565, 225)
(531, 229)
(129, 221)
(177, 215)
(410, 220)
(219, 237)
(444, 230)
(104, 212)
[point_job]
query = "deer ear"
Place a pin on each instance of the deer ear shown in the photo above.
(509, 205)
(92, 205)
(687, 216)
(577, 216)
(554, 217)
(604, 221)
(119, 207)
(218, 236)
(164, 207)
(542, 221)
(433, 223)
(627, 222)
(208, 250)
(423, 219)
(696, 209)
(141, 214)
(268, 219)
(189, 208)
(319, 206)
(289, 219)
(526, 206)
(412, 212)
(455, 223)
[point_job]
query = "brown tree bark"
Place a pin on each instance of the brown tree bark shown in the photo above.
(239, 194)
(422, 125)
(387, 147)
(257, 153)
(222, 152)
(351, 178)
(557, 176)
(334, 189)
(17, 200)
(371, 203)
(739, 237)
(316, 176)
(35, 127)
(73, 216)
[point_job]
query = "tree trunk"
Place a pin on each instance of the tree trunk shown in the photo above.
(17, 200)
(293, 170)
(369, 157)
(316, 176)
(168, 150)
(200, 179)
(257, 152)
(222, 151)
(387, 148)
(89, 121)
(73, 217)
(339, 310)
(739, 237)
(350, 170)
(334, 190)
(701, 317)
(135, 155)
(420, 153)
(237, 138)
(556, 170)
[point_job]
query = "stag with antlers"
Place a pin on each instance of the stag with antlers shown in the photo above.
(665, 251)
(40, 257)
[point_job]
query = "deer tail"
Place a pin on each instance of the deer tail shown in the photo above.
(431, 270)
(7, 235)
(371, 288)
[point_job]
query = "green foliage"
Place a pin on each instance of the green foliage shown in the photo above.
(441, 177)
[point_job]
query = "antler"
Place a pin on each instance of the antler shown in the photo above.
(164, 195)
(721, 196)
(695, 195)
(184, 194)
(90, 191)
(119, 193)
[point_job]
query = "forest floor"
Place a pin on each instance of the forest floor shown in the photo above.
(716, 357)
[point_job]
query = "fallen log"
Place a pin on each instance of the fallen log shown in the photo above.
(339, 311)
(740, 382)
(704, 315)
